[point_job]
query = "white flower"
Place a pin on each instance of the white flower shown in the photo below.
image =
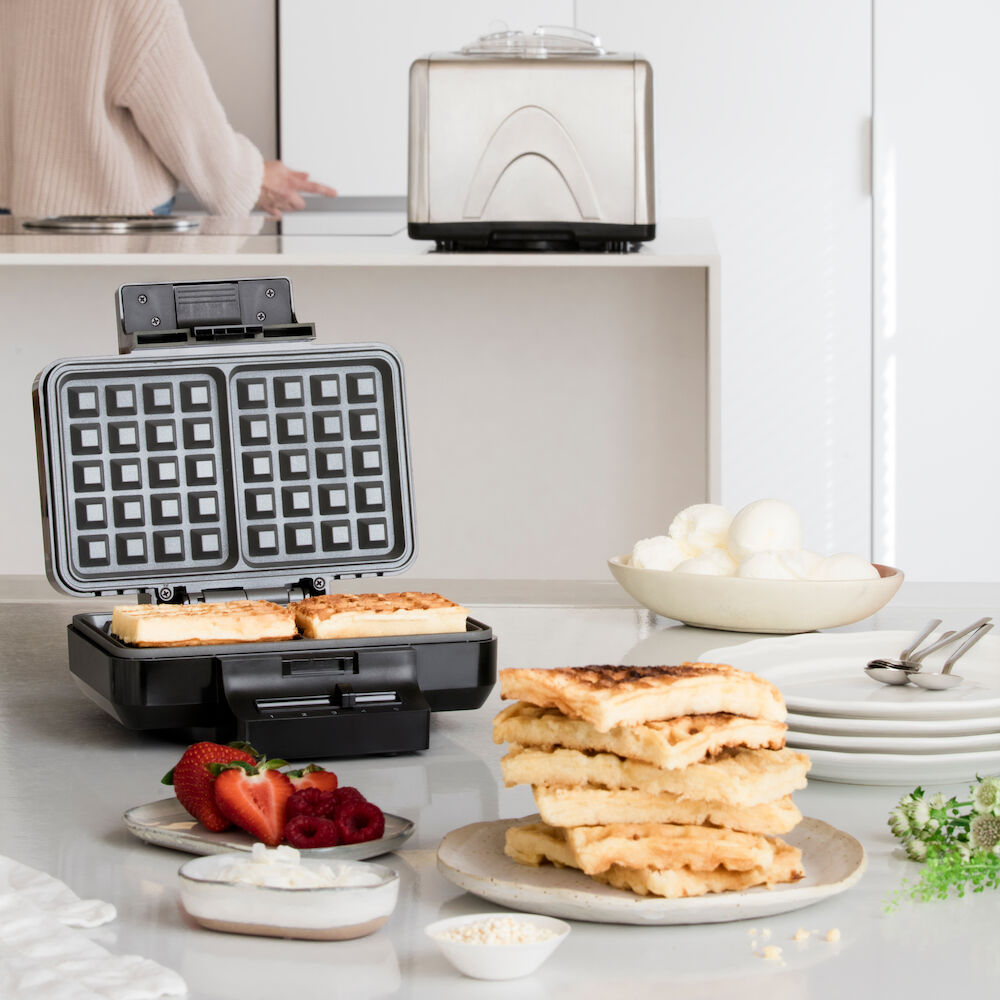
(984, 832)
(986, 796)
(899, 823)
(916, 850)
(938, 801)
(921, 813)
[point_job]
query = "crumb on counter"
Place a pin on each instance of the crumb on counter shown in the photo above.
(772, 953)
(801, 934)
(752, 932)
(833, 934)
(766, 932)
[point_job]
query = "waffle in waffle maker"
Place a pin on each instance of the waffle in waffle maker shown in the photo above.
(221, 456)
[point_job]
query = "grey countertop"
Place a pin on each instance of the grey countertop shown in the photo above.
(70, 772)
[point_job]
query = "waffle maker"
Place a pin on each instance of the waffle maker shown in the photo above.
(222, 456)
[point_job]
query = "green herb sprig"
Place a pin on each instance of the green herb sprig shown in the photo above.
(957, 842)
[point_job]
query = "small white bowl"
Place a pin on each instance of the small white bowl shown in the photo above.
(736, 604)
(334, 913)
(498, 961)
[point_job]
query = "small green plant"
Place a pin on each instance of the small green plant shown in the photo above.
(958, 843)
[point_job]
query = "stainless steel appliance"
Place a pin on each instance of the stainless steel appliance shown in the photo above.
(541, 141)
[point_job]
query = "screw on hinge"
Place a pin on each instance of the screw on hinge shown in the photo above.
(261, 317)
(165, 593)
(269, 292)
(155, 321)
(319, 584)
(143, 300)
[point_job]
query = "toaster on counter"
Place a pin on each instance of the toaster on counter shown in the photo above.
(531, 142)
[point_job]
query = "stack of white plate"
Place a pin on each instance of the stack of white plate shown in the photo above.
(859, 731)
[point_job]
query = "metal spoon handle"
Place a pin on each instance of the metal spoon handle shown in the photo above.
(948, 640)
(924, 632)
(965, 647)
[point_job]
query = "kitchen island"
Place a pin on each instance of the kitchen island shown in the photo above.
(71, 771)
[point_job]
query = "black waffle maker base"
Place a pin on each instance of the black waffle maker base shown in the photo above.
(216, 461)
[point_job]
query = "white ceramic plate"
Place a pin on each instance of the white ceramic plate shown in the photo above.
(473, 858)
(167, 823)
(824, 675)
(901, 769)
(893, 744)
(833, 725)
(735, 604)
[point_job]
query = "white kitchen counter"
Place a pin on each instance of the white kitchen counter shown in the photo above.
(70, 772)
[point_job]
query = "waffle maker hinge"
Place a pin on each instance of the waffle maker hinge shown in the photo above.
(161, 314)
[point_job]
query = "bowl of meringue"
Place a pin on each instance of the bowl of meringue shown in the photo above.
(748, 572)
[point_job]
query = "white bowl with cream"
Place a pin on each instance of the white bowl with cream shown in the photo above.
(740, 604)
(280, 894)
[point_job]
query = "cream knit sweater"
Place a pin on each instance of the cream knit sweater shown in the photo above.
(105, 105)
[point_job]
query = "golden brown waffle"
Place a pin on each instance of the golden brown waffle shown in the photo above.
(202, 624)
(626, 696)
(604, 806)
(352, 616)
(669, 743)
(534, 843)
(738, 777)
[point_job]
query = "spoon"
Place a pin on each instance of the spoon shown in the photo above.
(901, 671)
(890, 671)
(946, 679)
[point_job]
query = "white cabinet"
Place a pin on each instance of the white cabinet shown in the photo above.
(937, 256)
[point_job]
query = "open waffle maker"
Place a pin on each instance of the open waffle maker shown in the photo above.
(221, 456)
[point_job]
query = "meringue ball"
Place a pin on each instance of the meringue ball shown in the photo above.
(844, 566)
(713, 562)
(701, 526)
(762, 526)
(768, 565)
(801, 562)
(658, 552)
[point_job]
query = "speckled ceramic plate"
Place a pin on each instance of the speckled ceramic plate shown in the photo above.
(472, 857)
(167, 823)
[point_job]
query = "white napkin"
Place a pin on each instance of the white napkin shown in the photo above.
(41, 958)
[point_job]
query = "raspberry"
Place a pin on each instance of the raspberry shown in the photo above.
(311, 831)
(341, 797)
(309, 802)
(360, 821)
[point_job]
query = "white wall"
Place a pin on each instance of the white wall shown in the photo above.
(762, 116)
(937, 165)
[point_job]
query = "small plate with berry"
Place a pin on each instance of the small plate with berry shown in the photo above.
(227, 798)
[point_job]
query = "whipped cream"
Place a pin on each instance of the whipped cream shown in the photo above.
(659, 552)
(282, 868)
(701, 527)
(764, 525)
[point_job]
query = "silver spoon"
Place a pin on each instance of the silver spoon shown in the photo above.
(890, 671)
(946, 679)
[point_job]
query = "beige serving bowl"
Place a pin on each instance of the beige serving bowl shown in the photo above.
(735, 604)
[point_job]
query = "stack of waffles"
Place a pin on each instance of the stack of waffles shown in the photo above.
(667, 781)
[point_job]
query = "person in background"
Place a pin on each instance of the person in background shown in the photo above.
(105, 105)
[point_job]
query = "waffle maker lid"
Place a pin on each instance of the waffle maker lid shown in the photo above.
(222, 454)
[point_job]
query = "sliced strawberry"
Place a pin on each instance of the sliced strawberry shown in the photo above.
(193, 781)
(254, 798)
(313, 776)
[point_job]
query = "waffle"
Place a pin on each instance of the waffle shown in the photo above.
(626, 696)
(606, 806)
(352, 616)
(668, 743)
(201, 624)
(534, 843)
(737, 777)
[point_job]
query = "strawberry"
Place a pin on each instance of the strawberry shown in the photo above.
(313, 776)
(254, 798)
(193, 781)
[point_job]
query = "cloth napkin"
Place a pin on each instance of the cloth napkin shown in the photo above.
(43, 958)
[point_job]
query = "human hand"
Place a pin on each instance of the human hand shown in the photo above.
(281, 186)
